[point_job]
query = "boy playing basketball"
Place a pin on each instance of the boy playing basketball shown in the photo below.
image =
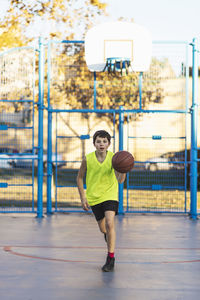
(102, 190)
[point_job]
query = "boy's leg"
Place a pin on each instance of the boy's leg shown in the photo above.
(111, 236)
(107, 226)
(102, 225)
(100, 217)
(110, 230)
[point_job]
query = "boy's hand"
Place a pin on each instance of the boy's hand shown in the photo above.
(120, 176)
(85, 204)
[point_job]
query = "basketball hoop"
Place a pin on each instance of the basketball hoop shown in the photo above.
(119, 65)
(118, 47)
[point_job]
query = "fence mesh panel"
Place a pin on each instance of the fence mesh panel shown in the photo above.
(17, 94)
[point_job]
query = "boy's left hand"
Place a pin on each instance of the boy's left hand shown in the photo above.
(85, 204)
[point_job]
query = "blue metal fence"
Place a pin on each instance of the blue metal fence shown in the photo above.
(151, 121)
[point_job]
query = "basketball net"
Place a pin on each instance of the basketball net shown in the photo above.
(118, 66)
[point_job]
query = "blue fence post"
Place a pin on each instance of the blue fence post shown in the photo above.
(40, 129)
(49, 164)
(194, 115)
(49, 136)
(121, 147)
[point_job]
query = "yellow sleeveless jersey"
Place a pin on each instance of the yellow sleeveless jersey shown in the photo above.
(101, 182)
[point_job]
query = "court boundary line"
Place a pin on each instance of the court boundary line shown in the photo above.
(10, 251)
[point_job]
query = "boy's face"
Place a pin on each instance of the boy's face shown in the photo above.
(101, 144)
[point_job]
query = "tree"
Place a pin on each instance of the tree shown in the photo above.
(63, 18)
(72, 84)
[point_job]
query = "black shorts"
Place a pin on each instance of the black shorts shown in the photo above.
(99, 209)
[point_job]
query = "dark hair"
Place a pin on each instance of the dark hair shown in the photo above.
(102, 134)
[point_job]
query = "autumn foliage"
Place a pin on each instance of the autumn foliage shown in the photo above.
(71, 84)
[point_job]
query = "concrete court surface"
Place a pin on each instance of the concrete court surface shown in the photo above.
(60, 257)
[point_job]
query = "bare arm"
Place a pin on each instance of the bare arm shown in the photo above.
(79, 180)
(120, 176)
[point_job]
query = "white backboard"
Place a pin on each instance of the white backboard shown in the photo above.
(118, 39)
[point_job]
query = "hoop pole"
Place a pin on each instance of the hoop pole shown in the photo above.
(140, 89)
(95, 90)
(194, 116)
(121, 147)
(40, 129)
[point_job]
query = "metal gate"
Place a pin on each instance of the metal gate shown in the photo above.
(18, 154)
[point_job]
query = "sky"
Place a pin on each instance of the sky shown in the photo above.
(165, 19)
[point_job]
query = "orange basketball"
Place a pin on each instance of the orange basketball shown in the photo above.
(123, 161)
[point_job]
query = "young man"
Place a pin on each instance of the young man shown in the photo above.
(102, 190)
